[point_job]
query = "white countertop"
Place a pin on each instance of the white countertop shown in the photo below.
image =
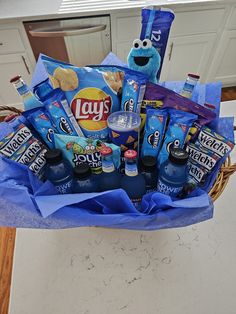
(100, 271)
(26, 10)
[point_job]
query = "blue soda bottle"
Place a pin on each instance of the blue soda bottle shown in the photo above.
(148, 167)
(173, 173)
(110, 177)
(83, 181)
(58, 171)
(133, 182)
(29, 99)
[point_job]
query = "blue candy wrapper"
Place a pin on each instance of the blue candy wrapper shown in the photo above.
(154, 132)
(177, 131)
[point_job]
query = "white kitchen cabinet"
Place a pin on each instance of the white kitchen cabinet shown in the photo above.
(11, 65)
(187, 54)
(224, 63)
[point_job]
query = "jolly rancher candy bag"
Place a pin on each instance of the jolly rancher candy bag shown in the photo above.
(91, 94)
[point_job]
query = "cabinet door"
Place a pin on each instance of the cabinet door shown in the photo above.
(10, 66)
(224, 64)
(187, 54)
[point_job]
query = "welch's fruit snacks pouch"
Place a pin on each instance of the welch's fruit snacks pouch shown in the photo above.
(79, 150)
(17, 143)
(91, 94)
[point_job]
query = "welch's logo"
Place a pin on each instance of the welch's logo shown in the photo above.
(153, 139)
(210, 142)
(201, 158)
(16, 141)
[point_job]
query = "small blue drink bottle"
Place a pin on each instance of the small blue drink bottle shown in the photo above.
(83, 181)
(58, 171)
(173, 173)
(148, 167)
(110, 177)
(133, 182)
(29, 99)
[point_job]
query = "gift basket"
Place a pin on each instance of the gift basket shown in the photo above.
(109, 145)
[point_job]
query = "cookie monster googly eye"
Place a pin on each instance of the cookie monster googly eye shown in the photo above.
(137, 43)
(147, 43)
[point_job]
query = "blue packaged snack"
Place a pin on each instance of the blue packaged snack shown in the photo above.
(134, 87)
(61, 114)
(156, 26)
(154, 132)
(42, 124)
(17, 143)
(78, 150)
(91, 94)
(177, 131)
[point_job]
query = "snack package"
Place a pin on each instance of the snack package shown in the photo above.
(91, 94)
(42, 124)
(214, 142)
(156, 26)
(133, 92)
(79, 149)
(177, 131)
(61, 114)
(154, 97)
(154, 132)
(17, 143)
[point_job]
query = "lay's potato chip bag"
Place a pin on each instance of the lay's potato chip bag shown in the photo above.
(91, 94)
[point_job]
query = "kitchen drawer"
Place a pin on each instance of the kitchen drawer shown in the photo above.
(197, 22)
(232, 19)
(10, 41)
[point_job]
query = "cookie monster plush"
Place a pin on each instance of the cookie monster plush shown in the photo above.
(145, 58)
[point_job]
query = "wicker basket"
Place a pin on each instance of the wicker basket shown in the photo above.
(222, 179)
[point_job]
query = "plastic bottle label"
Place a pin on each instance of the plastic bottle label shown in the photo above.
(64, 188)
(168, 189)
(107, 166)
(131, 169)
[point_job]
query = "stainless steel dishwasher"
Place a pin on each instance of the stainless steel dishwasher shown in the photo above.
(79, 41)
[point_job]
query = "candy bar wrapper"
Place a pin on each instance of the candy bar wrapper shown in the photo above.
(78, 150)
(154, 132)
(18, 144)
(177, 131)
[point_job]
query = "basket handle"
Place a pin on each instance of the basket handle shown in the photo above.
(11, 109)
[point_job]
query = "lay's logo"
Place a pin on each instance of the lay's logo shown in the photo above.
(91, 107)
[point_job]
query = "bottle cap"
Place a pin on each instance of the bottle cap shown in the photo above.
(15, 79)
(178, 155)
(53, 156)
(195, 76)
(130, 154)
(105, 151)
(148, 162)
(82, 171)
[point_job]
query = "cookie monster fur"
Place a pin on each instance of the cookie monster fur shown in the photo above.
(143, 57)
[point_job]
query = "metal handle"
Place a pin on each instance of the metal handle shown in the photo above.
(171, 49)
(26, 65)
(42, 32)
